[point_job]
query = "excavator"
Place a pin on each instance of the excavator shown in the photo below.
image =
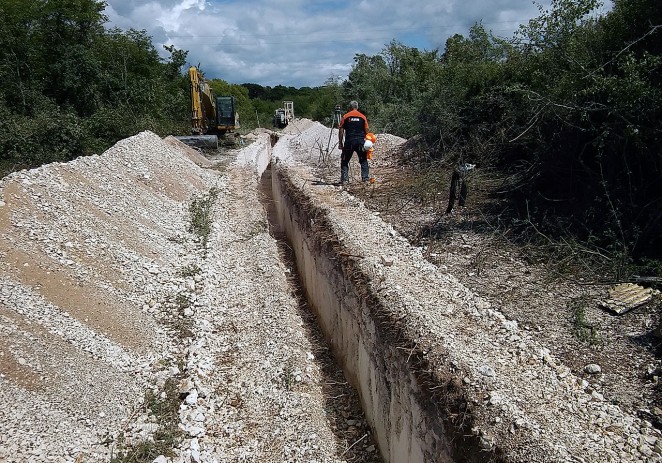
(211, 116)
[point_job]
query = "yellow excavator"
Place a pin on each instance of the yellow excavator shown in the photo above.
(211, 116)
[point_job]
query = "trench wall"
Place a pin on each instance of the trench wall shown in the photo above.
(407, 427)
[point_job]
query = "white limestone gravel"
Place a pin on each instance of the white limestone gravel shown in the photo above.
(105, 295)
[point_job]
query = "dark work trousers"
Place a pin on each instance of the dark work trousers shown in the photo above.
(348, 149)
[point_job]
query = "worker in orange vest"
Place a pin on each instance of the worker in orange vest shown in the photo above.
(352, 131)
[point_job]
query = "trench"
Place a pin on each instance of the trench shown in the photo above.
(413, 413)
(342, 403)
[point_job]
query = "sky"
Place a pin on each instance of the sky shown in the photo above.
(301, 43)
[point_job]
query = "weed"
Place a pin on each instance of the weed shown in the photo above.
(175, 317)
(288, 375)
(183, 301)
(584, 330)
(177, 239)
(167, 437)
(200, 216)
(478, 261)
(189, 270)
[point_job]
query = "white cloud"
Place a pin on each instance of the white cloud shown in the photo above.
(304, 42)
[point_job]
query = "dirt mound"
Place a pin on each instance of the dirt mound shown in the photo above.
(121, 328)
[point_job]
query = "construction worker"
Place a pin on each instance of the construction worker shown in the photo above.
(353, 128)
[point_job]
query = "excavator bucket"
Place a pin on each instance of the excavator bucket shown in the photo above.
(208, 142)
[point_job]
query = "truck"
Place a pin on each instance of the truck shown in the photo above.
(283, 115)
(211, 116)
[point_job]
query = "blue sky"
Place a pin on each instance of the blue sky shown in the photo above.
(305, 42)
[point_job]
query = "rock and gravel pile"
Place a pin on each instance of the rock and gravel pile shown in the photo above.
(110, 306)
(86, 246)
(306, 142)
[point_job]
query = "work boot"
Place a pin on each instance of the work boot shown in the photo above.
(344, 174)
(365, 170)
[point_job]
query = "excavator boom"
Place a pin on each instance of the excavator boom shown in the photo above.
(203, 105)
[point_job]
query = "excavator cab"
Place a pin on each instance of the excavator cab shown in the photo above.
(227, 119)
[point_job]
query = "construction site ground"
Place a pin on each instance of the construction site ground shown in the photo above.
(150, 311)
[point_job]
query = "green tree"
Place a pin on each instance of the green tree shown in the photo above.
(66, 31)
(325, 100)
(69, 87)
(390, 87)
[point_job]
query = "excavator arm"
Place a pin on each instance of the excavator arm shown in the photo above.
(203, 104)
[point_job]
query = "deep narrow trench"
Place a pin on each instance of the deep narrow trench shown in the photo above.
(342, 405)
